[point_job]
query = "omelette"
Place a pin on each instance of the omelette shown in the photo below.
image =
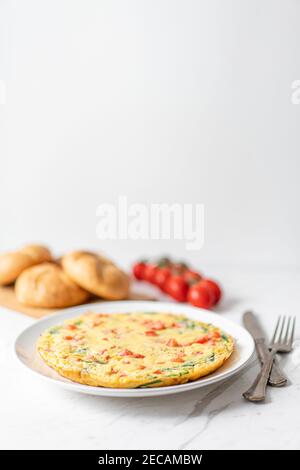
(130, 350)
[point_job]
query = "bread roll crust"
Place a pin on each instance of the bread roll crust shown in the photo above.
(47, 285)
(12, 264)
(96, 274)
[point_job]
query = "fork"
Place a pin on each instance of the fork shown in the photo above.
(282, 342)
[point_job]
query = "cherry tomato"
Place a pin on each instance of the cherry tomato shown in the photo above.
(161, 277)
(191, 277)
(214, 289)
(138, 270)
(177, 288)
(200, 296)
(150, 272)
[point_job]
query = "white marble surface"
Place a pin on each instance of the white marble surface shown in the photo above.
(36, 415)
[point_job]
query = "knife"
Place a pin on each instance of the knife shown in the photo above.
(277, 377)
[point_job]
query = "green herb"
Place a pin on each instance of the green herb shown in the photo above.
(210, 358)
(80, 351)
(189, 364)
(54, 330)
(179, 374)
(78, 322)
(183, 372)
(192, 325)
(189, 324)
(148, 384)
(94, 362)
(223, 336)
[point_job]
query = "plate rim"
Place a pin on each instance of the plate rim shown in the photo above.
(134, 392)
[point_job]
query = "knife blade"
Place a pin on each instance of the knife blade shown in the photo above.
(277, 377)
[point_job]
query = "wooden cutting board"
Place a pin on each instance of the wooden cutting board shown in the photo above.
(8, 300)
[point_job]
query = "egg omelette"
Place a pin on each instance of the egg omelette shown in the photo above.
(132, 350)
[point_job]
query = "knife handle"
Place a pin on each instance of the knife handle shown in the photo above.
(257, 392)
(277, 378)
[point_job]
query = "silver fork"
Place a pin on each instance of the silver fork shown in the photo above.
(282, 341)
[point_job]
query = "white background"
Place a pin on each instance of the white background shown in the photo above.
(161, 101)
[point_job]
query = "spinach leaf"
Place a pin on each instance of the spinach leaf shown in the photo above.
(148, 384)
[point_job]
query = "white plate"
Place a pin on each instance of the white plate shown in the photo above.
(26, 352)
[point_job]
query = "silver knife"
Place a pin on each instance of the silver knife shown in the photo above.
(277, 377)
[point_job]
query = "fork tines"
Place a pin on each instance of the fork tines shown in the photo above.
(284, 325)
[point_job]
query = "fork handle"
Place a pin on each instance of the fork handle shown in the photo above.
(277, 378)
(258, 390)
